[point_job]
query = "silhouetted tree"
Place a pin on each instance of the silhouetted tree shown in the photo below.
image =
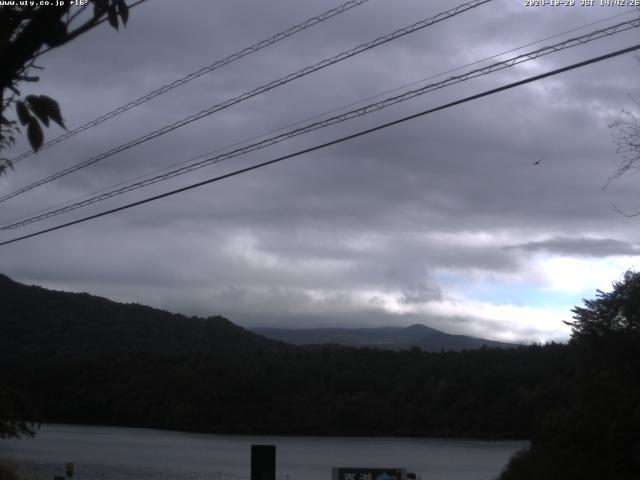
(26, 32)
(616, 313)
(595, 432)
(14, 409)
(626, 136)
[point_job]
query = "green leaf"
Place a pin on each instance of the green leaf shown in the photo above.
(99, 7)
(34, 134)
(123, 10)
(55, 33)
(23, 113)
(39, 108)
(113, 16)
(49, 107)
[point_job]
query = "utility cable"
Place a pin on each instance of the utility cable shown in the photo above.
(332, 142)
(572, 42)
(352, 104)
(198, 73)
(316, 116)
(264, 88)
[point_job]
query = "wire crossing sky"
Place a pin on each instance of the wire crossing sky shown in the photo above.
(331, 143)
(198, 73)
(257, 91)
(154, 173)
(497, 66)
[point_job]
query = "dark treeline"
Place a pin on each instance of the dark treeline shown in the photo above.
(579, 403)
(484, 393)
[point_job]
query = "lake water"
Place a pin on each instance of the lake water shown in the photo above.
(127, 453)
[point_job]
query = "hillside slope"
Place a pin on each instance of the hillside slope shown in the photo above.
(37, 322)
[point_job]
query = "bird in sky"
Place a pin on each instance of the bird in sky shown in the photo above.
(537, 162)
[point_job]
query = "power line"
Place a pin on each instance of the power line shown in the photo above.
(198, 73)
(322, 114)
(332, 142)
(264, 88)
(358, 102)
(572, 42)
(476, 62)
(337, 119)
(318, 115)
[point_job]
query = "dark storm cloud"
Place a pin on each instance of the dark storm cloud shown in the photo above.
(588, 247)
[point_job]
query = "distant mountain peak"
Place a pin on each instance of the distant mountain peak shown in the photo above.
(385, 338)
(419, 327)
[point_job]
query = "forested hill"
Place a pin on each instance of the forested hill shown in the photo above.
(75, 358)
(385, 338)
(41, 323)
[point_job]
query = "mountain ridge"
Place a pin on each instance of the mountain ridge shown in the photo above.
(48, 323)
(424, 337)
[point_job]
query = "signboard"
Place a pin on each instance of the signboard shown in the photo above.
(345, 473)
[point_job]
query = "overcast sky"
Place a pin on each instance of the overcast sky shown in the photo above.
(443, 220)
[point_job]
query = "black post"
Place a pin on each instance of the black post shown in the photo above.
(263, 462)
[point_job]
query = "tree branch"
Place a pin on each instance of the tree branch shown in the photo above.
(626, 214)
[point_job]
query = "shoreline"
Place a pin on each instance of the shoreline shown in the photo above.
(452, 437)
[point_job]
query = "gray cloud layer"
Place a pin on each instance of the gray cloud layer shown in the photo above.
(313, 241)
(588, 247)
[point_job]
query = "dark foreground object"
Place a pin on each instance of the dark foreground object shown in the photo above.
(263, 462)
(593, 433)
